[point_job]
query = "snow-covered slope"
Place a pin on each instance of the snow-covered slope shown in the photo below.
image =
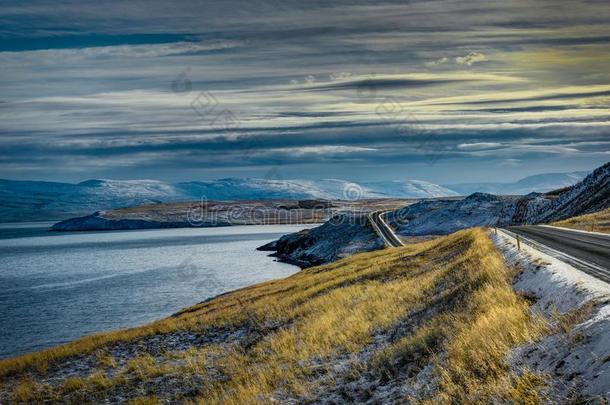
(440, 217)
(256, 189)
(410, 189)
(481, 209)
(539, 183)
(32, 200)
(590, 195)
(575, 358)
(334, 189)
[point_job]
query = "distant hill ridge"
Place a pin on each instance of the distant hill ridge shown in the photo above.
(40, 200)
(539, 182)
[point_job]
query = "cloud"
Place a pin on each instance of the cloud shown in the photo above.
(339, 75)
(121, 51)
(322, 150)
(437, 62)
(479, 146)
(304, 83)
(510, 162)
(390, 82)
(471, 59)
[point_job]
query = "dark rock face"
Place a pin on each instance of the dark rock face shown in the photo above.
(341, 236)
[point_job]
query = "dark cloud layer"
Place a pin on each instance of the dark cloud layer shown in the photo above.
(359, 89)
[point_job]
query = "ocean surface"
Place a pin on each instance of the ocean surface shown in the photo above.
(55, 287)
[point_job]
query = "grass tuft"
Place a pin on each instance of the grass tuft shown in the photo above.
(28, 391)
(73, 384)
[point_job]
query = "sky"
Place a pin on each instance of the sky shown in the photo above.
(443, 91)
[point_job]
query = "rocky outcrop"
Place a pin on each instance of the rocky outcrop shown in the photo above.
(341, 236)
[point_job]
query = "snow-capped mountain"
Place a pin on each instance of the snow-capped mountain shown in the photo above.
(262, 189)
(539, 183)
(35, 200)
(410, 188)
(38, 200)
(332, 189)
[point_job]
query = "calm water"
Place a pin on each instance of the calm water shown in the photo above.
(55, 287)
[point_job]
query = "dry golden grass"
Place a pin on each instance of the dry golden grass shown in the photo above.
(328, 311)
(143, 367)
(73, 384)
(27, 391)
(99, 380)
(595, 222)
(105, 360)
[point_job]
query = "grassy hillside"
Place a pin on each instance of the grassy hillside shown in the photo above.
(595, 222)
(432, 321)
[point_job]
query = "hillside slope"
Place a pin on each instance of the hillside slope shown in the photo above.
(433, 321)
(27, 200)
(590, 195)
(595, 222)
(443, 216)
(222, 213)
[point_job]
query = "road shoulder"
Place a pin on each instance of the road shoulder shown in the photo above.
(575, 354)
(539, 249)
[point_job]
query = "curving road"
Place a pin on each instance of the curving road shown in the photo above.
(383, 229)
(587, 251)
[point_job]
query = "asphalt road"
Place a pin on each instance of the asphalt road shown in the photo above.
(387, 233)
(587, 248)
